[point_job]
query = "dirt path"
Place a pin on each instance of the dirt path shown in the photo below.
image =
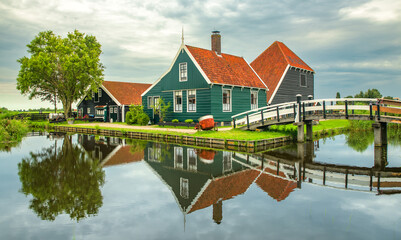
(152, 127)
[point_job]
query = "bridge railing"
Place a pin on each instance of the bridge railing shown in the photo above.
(297, 112)
(264, 113)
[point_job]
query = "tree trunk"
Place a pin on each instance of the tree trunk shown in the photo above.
(66, 107)
(55, 103)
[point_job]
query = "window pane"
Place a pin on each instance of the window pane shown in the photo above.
(191, 100)
(226, 100)
(303, 80)
(254, 99)
(178, 101)
(183, 71)
(192, 159)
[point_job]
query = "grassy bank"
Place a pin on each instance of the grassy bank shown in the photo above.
(236, 134)
(12, 130)
(323, 125)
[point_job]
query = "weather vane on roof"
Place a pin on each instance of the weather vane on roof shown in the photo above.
(182, 35)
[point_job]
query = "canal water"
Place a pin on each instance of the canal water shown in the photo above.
(88, 187)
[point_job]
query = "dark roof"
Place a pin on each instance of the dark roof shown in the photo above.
(225, 68)
(225, 188)
(275, 186)
(126, 93)
(271, 64)
(123, 156)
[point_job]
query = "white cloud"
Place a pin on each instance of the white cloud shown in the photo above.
(375, 10)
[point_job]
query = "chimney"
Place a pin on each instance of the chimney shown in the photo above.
(216, 42)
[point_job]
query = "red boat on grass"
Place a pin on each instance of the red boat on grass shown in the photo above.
(206, 123)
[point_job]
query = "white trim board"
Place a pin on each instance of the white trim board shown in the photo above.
(279, 84)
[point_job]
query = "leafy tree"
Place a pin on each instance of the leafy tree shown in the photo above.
(161, 108)
(62, 180)
(338, 95)
(61, 69)
(370, 93)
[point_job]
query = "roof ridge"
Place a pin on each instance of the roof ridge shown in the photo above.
(126, 82)
(213, 51)
(282, 52)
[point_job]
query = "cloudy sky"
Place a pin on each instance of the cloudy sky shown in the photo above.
(352, 45)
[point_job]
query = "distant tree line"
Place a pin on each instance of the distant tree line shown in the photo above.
(370, 93)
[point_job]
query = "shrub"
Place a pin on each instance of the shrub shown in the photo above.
(129, 118)
(136, 115)
(143, 119)
(12, 130)
(189, 121)
(174, 121)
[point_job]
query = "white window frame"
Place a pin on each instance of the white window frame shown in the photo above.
(178, 155)
(183, 76)
(154, 100)
(254, 106)
(99, 93)
(150, 102)
(300, 80)
(192, 154)
(231, 100)
(227, 162)
(175, 103)
(188, 109)
(88, 111)
(184, 188)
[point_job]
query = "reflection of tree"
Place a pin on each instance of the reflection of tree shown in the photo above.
(394, 135)
(136, 145)
(62, 180)
(359, 140)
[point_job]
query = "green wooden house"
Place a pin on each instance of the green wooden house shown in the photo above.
(206, 82)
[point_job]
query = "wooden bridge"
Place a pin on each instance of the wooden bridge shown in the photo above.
(301, 113)
(301, 168)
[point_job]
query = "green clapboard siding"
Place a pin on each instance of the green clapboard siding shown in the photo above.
(241, 102)
(208, 98)
(170, 82)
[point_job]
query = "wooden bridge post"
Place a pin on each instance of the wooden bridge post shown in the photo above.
(380, 133)
(299, 107)
(380, 157)
(310, 97)
(309, 130)
(300, 132)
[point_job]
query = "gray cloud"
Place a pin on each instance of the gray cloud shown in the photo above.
(352, 46)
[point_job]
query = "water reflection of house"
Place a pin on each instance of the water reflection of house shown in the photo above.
(110, 151)
(200, 178)
(277, 187)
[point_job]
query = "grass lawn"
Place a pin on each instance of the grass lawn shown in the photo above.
(237, 134)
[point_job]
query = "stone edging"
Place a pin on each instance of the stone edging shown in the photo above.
(229, 144)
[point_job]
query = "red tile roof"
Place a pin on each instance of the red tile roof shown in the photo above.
(276, 187)
(226, 68)
(225, 188)
(123, 156)
(271, 64)
(125, 92)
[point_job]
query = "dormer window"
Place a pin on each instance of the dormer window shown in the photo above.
(183, 72)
